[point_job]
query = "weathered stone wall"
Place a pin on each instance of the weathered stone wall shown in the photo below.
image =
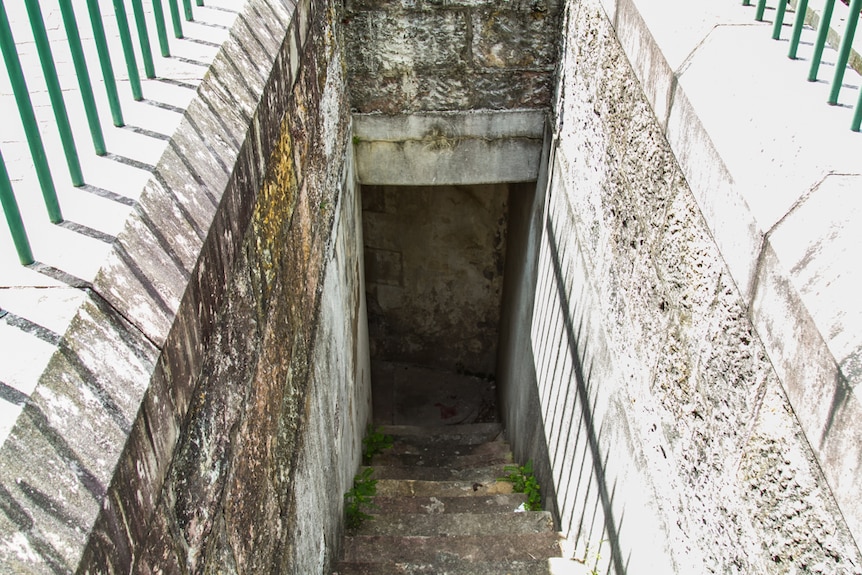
(205, 410)
(427, 55)
(671, 446)
(434, 259)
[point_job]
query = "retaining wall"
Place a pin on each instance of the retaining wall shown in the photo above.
(666, 408)
(205, 408)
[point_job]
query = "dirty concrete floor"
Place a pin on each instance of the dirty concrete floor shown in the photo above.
(411, 395)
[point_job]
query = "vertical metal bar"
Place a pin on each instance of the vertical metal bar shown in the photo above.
(159, 13)
(844, 50)
(746, 2)
(128, 49)
(13, 216)
(28, 117)
(798, 24)
(83, 76)
(187, 9)
(779, 19)
(53, 83)
(199, 2)
(857, 114)
(143, 36)
(175, 18)
(105, 61)
(822, 33)
(761, 8)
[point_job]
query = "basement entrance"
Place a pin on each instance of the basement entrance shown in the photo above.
(435, 258)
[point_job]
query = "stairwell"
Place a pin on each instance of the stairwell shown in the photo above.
(441, 508)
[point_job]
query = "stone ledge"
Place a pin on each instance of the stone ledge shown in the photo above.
(769, 181)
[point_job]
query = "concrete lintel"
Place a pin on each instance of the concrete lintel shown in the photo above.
(449, 148)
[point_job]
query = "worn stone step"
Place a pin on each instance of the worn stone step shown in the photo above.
(421, 488)
(446, 455)
(467, 434)
(422, 549)
(451, 524)
(499, 503)
(481, 474)
(550, 566)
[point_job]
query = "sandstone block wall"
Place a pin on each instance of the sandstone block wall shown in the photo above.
(204, 412)
(671, 445)
(427, 55)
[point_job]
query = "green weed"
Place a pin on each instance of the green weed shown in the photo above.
(358, 499)
(523, 481)
(375, 442)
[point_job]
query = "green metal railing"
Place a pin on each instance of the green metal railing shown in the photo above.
(49, 70)
(844, 48)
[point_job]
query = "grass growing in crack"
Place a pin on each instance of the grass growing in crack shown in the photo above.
(523, 481)
(375, 442)
(358, 499)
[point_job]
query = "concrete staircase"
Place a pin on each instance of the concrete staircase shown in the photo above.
(440, 510)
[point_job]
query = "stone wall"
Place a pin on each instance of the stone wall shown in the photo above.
(434, 271)
(671, 445)
(205, 410)
(427, 55)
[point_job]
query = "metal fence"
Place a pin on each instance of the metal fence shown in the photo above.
(823, 29)
(82, 73)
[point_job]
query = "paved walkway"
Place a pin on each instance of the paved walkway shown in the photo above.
(38, 302)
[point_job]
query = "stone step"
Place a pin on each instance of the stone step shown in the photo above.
(500, 503)
(423, 549)
(467, 434)
(446, 455)
(551, 566)
(481, 474)
(456, 524)
(420, 488)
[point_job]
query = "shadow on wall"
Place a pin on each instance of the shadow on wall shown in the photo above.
(574, 440)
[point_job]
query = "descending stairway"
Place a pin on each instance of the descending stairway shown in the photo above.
(441, 511)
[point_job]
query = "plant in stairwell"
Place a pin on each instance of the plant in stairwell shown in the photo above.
(358, 499)
(523, 481)
(375, 442)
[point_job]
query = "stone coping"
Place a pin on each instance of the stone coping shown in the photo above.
(776, 174)
(82, 467)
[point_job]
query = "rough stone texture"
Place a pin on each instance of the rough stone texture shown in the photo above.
(210, 394)
(667, 429)
(427, 55)
(434, 261)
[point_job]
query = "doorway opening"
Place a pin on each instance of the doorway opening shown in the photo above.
(435, 261)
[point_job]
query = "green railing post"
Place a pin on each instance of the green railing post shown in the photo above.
(58, 105)
(779, 19)
(128, 49)
(83, 76)
(13, 216)
(746, 2)
(798, 24)
(159, 13)
(761, 8)
(857, 113)
(199, 2)
(105, 61)
(28, 117)
(822, 33)
(175, 18)
(143, 36)
(844, 50)
(187, 9)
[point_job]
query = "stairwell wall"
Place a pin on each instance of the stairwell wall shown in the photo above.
(205, 411)
(631, 370)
